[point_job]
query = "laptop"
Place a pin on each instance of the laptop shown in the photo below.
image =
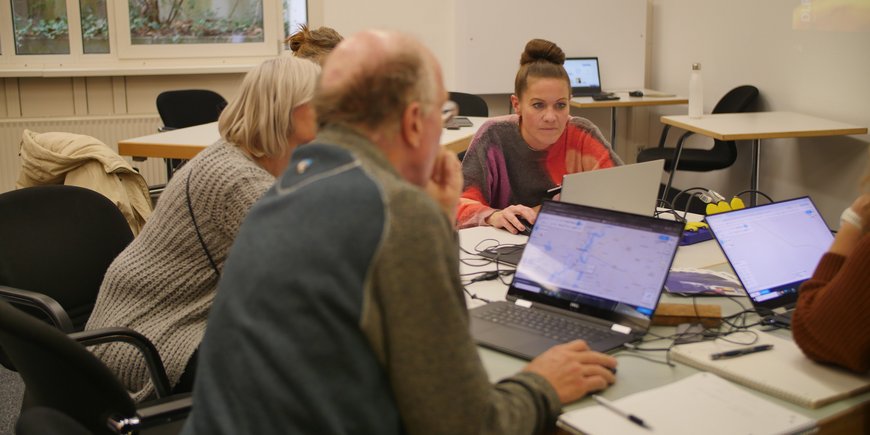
(628, 188)
(773, 249)
(584, 75)
(587, 273)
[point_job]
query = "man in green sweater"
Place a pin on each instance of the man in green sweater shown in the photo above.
(340, 309)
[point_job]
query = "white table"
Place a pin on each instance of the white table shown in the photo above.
(626, 100)
(761, 125)
(185, 143)
(636, 373)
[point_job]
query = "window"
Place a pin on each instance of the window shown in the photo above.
(58, 32)
(40, 26)
(95, 26)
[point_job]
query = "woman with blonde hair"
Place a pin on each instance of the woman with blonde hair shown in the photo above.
(163, 284)
(514, 159)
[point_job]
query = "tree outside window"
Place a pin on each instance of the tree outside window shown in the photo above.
(195, 21)
(40, 26)
(95, 26)
(122, 30)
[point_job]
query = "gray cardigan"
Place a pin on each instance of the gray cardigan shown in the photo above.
(162, 285)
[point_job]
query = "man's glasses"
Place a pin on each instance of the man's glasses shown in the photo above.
(448, 111)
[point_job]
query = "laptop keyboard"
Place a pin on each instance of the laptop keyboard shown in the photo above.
(558, 328)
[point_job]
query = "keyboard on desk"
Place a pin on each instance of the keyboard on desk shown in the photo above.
(549, 325)
(457, 122)
(605, 96)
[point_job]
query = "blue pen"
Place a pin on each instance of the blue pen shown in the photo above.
(610, 406)
(740, 352)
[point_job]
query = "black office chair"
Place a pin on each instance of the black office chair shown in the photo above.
(469, 104)
(186, 108)
(40, 420)
(61, 374)
(57, 242)
(722, 155)
(189, 107)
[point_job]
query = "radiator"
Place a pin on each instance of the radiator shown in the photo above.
(108, 129)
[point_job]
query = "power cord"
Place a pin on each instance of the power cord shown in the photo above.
(755, 191)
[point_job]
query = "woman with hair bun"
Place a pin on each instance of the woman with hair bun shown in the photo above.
(514, 159)
(315, 44)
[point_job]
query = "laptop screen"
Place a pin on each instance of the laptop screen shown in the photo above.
(604, 263)
(584, 75)
(773, 248)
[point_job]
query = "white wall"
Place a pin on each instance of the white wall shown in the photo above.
(479, 43)
(820, 73)
(433, 22)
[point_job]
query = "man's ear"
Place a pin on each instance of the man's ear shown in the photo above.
(412, 124)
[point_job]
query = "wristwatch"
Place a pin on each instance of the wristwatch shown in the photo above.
(852, 218)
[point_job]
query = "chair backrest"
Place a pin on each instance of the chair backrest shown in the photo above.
(59, 240)
(189, 107)
(60, 373)
(737, 100)
(470, 104)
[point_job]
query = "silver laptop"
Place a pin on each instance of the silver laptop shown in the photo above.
(584, 75)
(773, 249)
(629, 188)
(586, 273)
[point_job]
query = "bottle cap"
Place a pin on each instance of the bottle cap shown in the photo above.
(696, 67)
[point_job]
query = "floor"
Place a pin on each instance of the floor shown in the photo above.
(11, 390)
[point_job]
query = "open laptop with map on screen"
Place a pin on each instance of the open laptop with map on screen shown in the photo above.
(773, 248)
(586, 273)
(629, 188)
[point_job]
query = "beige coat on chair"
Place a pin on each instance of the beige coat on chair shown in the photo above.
(78, 160)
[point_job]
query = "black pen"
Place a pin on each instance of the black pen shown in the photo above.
(609, 405)
(741, 352)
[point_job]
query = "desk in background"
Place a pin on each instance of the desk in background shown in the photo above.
(761, 125)
(625, 101)
(185, 143)
(636, 373)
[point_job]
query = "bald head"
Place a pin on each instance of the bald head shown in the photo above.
(372, 76)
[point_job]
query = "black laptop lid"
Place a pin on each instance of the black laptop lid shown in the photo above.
(584, 75)
(603, 263)
(773, 248)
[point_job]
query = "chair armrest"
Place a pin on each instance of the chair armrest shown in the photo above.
(143, 344)
(664, 136)
(164, 410)
(154, 413)
(44, 303)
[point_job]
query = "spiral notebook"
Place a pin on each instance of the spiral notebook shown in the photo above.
(783, 372)
(699, 404)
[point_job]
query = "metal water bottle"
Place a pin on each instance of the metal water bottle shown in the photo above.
(696, 92)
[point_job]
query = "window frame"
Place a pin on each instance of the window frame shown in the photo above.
(124, 58)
